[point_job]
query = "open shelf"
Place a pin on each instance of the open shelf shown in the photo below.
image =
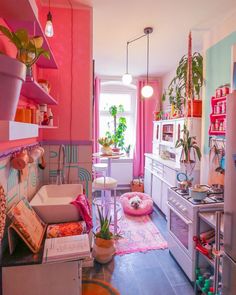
(47, 127)
(219, 98)
(217, 133)
(210, 218)
(26, 16)
(11, 130)
(32, 90)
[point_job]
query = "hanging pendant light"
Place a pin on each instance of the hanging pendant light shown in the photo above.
(127, 78)
(147, 90)
(49, 32)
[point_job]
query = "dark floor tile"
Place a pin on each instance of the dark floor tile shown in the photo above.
(185, 289)
(171, 268)
(153, 282)
(126, 282)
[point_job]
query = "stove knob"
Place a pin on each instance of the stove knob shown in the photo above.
(178, 204)
(184, 209)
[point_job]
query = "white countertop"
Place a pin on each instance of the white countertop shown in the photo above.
(168, 163)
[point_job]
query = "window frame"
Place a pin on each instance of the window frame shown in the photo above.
(117, 87)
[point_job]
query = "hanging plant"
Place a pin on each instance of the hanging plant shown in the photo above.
(176, 90)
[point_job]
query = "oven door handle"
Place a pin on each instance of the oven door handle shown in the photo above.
(185, 220)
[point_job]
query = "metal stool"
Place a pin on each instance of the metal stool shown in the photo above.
(106, 184)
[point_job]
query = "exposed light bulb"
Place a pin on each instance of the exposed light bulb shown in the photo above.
(147, 91)
(49, 27)
(127, 79)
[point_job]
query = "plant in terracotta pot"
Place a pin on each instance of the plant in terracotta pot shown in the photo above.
(176, 90)
(29, 49)
(106, 143)
(190, 150)
(103, 249)
(119, 127)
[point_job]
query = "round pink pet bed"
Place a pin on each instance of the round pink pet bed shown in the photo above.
(145, 206)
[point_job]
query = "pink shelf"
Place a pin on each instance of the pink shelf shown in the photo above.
(216, 132)
(219, 98)
(47, 127)
(32, 90)
(25, 16)
(219, 115)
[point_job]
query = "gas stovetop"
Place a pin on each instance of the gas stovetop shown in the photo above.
(212, 196)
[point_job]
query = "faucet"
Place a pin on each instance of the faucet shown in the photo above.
(61, 164)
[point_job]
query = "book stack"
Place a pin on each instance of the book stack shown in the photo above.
(66, 248)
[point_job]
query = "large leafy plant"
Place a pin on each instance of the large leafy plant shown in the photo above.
(119, 127)
(188, 144)
(176, 90)
(104, 232)
(29, 49)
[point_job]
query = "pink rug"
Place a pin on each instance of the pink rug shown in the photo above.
(139, 234)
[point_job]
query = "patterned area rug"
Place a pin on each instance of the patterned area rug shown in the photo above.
(139, 234)
(98, 287)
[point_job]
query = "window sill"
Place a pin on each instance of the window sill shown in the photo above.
(121, 160)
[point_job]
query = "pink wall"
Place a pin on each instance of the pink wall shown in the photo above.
(71, 86)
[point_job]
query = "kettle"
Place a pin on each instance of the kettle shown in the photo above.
(183, 182)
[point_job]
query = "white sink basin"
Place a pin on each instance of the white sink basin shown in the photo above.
(52, 202)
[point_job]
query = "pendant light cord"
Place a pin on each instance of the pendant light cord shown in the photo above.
(127, 51)
(71, 92)
(127, 57)
(147, 56)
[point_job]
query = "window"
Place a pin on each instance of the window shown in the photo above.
(115, 93)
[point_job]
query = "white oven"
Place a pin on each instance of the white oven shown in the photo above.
(181, 230)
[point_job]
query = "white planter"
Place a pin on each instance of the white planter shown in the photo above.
(106, 150)
(12, 75)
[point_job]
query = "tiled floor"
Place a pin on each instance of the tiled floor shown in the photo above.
(151, 273)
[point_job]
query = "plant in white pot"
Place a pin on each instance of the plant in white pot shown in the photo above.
(13, 71)
(190, 151)
(106, 145)
(103, 249)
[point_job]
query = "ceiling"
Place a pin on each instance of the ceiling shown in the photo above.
(116, 22)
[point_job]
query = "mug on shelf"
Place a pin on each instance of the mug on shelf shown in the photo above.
(20, 160)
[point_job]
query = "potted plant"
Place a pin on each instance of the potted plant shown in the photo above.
(13, 71)
(106, 145)
(177, 87)
(103, 249)
(29, 49)
(127, 150)
(190, 150)
(119, 127)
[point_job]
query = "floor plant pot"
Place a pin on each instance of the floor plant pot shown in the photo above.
(103, 250)
(12, 75)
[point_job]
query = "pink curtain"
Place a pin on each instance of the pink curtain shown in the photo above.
(144, 125)
(96, 115)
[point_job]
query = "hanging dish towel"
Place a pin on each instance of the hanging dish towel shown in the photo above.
(84, 209)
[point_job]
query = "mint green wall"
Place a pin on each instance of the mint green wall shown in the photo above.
(218, 71)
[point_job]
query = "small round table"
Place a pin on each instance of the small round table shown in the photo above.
(109, 159)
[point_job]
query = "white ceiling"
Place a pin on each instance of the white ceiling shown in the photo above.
(116, 22)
